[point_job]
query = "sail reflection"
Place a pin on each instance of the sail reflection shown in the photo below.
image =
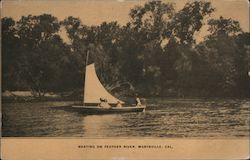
(100, 125)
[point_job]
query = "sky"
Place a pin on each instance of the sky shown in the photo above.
(94, 12)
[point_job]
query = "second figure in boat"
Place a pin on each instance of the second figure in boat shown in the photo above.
(119, 105)
(104, 103)
(137, 100)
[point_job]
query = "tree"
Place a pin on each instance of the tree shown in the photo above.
(75, 60)
(10, 54)
(148, 28)
(177, 60)
(242, 63)
(189, 20)
(220, 51)
(155, 53)
(40, 49)
(223, 27)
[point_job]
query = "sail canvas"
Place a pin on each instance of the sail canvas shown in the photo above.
(94, 90)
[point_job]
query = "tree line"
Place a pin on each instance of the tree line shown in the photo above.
(157, 53)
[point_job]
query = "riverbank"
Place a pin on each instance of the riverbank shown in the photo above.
(27, 96)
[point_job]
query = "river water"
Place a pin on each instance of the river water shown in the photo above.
(162, 118)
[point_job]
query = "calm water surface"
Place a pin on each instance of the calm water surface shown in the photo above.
(163, 118)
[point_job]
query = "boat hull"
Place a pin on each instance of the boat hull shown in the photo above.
(99, 110)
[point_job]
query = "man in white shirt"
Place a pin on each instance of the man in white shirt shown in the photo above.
(137, 100)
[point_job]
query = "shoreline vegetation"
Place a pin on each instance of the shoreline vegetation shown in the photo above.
(156, 54)
(27, 96)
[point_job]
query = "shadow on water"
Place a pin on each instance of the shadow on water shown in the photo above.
(82, 111)
(77, 110)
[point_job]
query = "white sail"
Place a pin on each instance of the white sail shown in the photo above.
(94, 90)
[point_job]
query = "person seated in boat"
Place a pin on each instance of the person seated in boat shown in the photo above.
(119, 105)
(104, 103)
(137, 100)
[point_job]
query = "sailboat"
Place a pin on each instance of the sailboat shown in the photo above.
(94, 92)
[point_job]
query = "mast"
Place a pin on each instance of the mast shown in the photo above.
(86, 63)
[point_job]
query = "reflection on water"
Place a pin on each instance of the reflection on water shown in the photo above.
(161, 119)
(99, 125)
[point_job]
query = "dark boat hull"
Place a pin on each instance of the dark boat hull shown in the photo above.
(98, 110)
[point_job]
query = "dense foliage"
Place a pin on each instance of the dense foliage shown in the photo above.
(156, 53)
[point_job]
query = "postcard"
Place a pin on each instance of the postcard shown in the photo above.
(125, 79)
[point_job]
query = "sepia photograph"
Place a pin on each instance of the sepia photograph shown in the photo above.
(125, 69)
